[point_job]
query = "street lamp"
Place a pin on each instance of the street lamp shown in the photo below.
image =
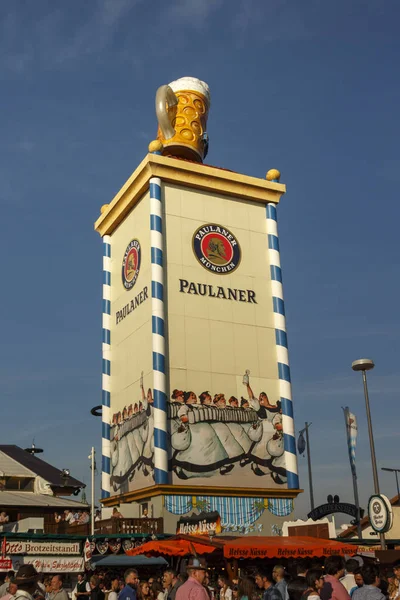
(395, 471)
(364, 365)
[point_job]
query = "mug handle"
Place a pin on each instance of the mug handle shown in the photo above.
(165, 97)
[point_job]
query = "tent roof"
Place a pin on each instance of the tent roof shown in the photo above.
(246, 547)
(285, 547)
(120, 560)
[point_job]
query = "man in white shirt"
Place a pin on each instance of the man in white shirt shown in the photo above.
(348, 580)
(69, 517)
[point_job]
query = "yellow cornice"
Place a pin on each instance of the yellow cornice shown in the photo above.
(188, 174)
(187, 490)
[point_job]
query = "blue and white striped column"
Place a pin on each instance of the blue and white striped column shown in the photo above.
(106, 388)
(158, 334)
(285, 387)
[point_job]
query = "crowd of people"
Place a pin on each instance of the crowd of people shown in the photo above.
(333, 579)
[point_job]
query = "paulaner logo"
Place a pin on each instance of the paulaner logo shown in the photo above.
(131, 264)
(216, 249)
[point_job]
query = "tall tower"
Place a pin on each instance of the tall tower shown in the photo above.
(197, 406)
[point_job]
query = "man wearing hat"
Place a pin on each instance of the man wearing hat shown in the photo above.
(26, 580)
(193, 589)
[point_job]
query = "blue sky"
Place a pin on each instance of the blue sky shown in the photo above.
(308, 87)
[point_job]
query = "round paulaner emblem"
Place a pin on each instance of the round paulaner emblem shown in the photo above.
(216, 249)
(131, 264)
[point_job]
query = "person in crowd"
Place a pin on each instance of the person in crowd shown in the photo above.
(296, 588)
(302, 567)
(26, 581)
(358, 577)
(393, 585)
(116, 514)
(47, 587)
(96, 593)
(235, 592)
(348, 580)
(4, 518)
(246, 589)
(206, 585)
(4, 586)
(333, 589)
(396, 571)
(156, 591)
(57, 590)
(131, 580)
(193, 588)
(370, 590)
(11, 590)
(97, 515)
(225, 592)
(170, 583)
(69, 517)
(315, 582)
(113, 593)
(264, 582)
(82, 588)
(144, 591)
(57, 518)
(84, 518)
(278, 575)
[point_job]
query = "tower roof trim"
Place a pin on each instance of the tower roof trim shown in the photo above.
(187, 174)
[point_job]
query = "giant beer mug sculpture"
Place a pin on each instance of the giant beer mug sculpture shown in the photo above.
(182, 109)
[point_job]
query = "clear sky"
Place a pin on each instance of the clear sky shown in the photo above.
(310, 88)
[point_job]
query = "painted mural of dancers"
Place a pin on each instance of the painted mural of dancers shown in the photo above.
(210, 435)
(132, 441)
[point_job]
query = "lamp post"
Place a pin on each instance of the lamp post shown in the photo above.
(310, 481)
(395, 471)
(92, 459)
(364, 365)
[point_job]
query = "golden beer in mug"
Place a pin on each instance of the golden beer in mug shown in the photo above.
(182, 110)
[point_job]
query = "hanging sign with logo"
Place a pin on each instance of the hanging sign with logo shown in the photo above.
(202, 524)
(380, 513)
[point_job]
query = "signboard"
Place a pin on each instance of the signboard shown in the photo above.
(333, 507)
(50, 565)
(202, 524)
(43, 548)
(380, 513)
(5, 564)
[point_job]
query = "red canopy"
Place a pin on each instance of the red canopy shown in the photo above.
(245, 547)
(284, 547)
(175, 546)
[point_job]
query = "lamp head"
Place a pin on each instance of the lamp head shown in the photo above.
(363, 364)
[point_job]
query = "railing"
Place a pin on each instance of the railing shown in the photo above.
(109, 527)
(130, 526)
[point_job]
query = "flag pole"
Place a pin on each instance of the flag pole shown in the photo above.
(354, 477)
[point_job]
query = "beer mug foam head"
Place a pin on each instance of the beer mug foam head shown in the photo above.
(191, 84)
(188, 119)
